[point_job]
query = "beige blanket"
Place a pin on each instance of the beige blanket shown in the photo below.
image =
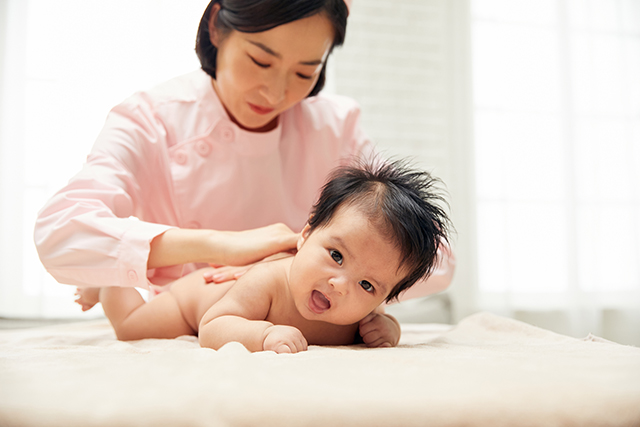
(487, 371)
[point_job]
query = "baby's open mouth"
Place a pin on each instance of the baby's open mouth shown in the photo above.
(319, 303)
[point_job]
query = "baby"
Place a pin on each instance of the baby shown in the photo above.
(374, 231)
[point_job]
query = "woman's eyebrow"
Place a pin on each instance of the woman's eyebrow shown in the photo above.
(271, 52)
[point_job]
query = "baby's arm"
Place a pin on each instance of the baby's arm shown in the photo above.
(379, 329)
(239, 316)
(255, 335)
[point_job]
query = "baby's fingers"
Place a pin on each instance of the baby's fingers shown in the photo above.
(367, 319)
(370, 335)
(379, 342)
(301, 345)
(283, 348)
(298, 345)
(368, 325)
(293, 347)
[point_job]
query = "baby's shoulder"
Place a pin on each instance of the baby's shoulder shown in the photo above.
(266, 275)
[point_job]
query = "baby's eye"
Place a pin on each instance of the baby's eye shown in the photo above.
(366, 285)
(337, 256)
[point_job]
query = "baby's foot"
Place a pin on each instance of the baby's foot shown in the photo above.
(87, 297)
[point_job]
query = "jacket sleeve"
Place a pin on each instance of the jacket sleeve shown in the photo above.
(87, 233)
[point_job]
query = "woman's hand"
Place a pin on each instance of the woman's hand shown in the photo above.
(241, 248)
(379, 330)
(224, 273)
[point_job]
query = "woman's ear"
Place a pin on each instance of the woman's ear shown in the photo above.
(303, 235)
(213, 31)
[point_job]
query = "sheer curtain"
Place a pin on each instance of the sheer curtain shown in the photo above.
(557, 142)
(65, 63)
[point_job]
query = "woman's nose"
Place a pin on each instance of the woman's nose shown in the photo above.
(274, 90)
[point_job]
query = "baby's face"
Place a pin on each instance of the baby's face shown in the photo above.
(343, 271)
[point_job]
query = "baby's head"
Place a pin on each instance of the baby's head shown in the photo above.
(402, 203)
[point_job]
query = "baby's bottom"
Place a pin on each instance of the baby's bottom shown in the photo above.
(132, 318)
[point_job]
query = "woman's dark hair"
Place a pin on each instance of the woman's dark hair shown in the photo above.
(401, 202)
(254, 16)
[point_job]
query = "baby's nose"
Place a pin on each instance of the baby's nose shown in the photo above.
(340, 284)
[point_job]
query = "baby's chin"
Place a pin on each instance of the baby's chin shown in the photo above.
(332, 318)
(330, 315)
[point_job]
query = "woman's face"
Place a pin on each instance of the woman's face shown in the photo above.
(260, 75)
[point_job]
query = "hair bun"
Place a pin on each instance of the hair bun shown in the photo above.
(348, 3)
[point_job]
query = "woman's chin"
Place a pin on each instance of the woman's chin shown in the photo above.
(257, 124)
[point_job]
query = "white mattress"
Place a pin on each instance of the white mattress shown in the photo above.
(486, 371)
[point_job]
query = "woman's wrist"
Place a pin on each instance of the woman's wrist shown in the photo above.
(181, 246)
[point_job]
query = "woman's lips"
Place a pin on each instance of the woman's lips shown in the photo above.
(260, 110)
(318, 303)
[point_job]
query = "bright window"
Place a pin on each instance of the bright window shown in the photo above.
(66, 63)
(557, 140)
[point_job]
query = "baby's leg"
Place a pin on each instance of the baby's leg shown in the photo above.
(132, 318)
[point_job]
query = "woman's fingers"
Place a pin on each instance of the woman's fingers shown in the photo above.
(224, 274)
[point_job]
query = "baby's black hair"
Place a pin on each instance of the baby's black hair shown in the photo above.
(402, 201)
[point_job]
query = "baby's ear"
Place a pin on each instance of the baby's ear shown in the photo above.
(303, 235)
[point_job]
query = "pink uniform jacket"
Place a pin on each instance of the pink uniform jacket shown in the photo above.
(171, 157)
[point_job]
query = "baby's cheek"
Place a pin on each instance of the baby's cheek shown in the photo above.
(345, 316)
(355, 316)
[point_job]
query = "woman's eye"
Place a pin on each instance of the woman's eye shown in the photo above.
(259, 64)
(337, 256)
(366, 286)
(304, 76)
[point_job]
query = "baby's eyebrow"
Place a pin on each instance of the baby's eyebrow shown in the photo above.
(343, 247)
(383, 288)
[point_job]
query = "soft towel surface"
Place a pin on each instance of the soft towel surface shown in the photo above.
(487, 371)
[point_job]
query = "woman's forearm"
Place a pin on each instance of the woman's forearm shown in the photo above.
(181, 246)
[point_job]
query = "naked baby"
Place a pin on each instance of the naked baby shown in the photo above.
(374, 231)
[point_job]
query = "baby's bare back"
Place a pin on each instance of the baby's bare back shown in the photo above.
(195, 296)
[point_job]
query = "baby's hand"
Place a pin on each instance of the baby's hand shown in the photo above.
(379, 330)
(284, 339)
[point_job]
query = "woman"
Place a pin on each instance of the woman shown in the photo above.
(239, 145)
